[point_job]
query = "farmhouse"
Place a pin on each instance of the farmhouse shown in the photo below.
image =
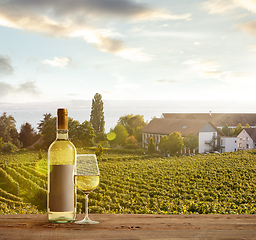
(247, 139)
(207, 126)
(207, 133)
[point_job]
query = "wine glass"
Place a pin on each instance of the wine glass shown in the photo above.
(87, 178)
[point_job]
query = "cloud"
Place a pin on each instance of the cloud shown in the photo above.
(83, 18)
(5, 89)
(28, 87)
(82, 10)
(175, 34)
(248, 27)
(121, 82)
(120, 78)
(211, 74)
(252, 47)
(162, 81)
(134, 54)
(5, 66)
(219, 6)
(203, 67)
(208, 69)
(240, 77)
(58, 62)
(227, 6)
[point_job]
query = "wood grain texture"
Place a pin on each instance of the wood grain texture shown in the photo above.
(144, 226)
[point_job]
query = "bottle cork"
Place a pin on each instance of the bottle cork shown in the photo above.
(62, 119)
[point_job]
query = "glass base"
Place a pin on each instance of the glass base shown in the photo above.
(61, 220)
(61, 217)
(86, 220)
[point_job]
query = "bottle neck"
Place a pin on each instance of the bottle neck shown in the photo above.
(62, 134)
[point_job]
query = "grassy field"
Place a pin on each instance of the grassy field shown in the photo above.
(200, 184)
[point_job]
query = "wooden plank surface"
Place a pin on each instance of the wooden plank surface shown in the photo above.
(130, 226)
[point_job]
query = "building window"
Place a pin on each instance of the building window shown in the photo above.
(240, 145)
(247, 146)
(247, 139)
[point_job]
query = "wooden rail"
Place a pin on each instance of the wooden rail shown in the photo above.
(131, 226)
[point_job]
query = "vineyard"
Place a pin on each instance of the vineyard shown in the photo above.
(141, 184)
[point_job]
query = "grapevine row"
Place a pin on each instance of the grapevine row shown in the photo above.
(9, 181)
(31, 187)
(9, 196)
(41, 183)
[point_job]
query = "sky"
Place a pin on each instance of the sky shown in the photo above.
(68, 50)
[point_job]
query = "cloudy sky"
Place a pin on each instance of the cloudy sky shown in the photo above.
(127, 49)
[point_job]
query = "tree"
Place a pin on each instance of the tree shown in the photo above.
(81, 135)
(120, 135)
(74, 131)
(15, 137)
(100, 137)
(97, 114)
(138, 134)
(40, 154)
(175, 143)
(27, 135)
(232, 132)
(172, 144)
(84, 135)
(131, 143)
(151, 146)
(133, 124)
(131, 140)
(9, 147)
(47, 116)
(48, 132)
(99, 151)
(8, 129)
(225, 130)
(238, 129)
(163, 145)
(191, 141)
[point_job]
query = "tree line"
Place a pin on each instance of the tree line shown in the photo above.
(126, 133)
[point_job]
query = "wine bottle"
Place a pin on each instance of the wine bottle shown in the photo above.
(61, 195)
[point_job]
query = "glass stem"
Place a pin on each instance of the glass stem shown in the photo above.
(86, 207)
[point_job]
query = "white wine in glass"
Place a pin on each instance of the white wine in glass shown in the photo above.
(87, 178)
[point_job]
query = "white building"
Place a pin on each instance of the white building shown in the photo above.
(229, 144)
(208, 134)
(207, 126)
(246, 139)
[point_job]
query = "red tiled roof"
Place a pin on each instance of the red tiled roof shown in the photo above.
(217, 119)
(167, 126)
